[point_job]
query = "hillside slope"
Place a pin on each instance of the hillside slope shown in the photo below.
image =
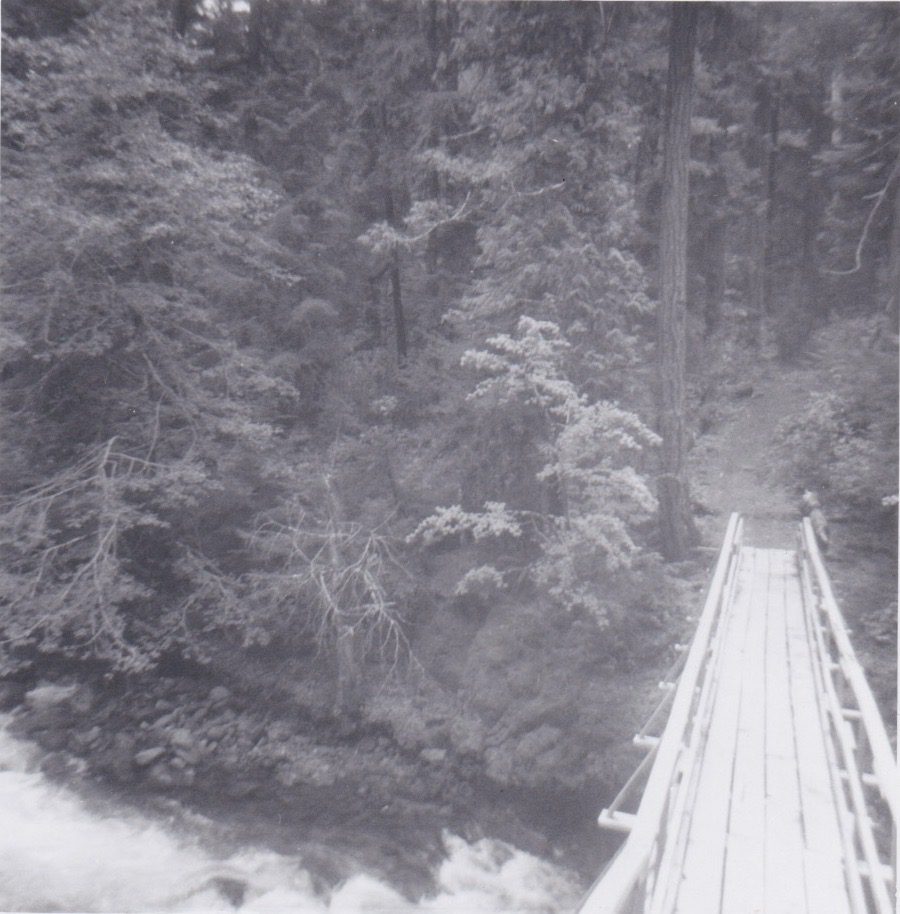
(739, 467)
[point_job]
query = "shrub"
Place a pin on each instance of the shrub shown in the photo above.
(843, 443)
(595, 499)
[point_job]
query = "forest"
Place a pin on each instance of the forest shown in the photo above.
(369, 369)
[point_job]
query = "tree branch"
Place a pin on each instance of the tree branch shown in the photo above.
(455, 217)
(878, 198)
(542, 190)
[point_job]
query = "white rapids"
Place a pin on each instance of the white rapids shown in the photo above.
(56, 854)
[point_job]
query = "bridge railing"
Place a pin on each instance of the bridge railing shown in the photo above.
(628, 880)
(860, 751)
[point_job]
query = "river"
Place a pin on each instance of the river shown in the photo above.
(60, 851)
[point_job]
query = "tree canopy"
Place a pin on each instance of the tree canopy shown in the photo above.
(297, 294)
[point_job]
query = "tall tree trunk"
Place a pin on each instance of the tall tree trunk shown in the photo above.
(712, 267)
(760, 154)
(812, 307)
(676, 524)
(390, 215)
(772, 128)
(439, 33)
(372, 313)
(714, 274)
(396, 289)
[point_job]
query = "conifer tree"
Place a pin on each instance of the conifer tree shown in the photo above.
(676, 525)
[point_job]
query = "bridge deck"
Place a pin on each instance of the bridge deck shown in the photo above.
(762, 833)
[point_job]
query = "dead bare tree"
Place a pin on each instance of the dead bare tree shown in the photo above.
(331, 576)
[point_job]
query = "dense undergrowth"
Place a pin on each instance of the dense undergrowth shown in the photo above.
(844, 443)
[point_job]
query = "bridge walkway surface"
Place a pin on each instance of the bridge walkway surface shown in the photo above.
(764, 834)
(759, 797)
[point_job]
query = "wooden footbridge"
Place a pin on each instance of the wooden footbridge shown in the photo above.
(769, 785)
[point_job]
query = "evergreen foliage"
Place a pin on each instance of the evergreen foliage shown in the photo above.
(595, 500)
(844, 443)
(280, 280)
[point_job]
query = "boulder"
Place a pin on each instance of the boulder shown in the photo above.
(166, 719)
(166, 776)
(287, 775)
(239, 788)
(278, 731)
(217, 731)
(219, 694)
(148, 756)
(189, 756)
(161, 775)
(181, 738)
(48, 695)
(84, 739)
(433, 756)
(544, 741)
(61, 765)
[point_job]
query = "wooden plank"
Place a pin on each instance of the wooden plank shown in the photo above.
(826, 888)
(670, 865)
(743, 888)
(784, 881)
(700, 890)
(669, 868)
(620, 886)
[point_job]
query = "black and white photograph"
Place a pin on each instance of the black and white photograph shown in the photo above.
(449, 456)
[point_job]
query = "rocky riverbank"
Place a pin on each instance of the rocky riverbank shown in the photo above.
(284, 780)
(350, 795)
(508, 722)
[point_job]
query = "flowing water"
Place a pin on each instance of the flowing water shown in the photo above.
(60, 853)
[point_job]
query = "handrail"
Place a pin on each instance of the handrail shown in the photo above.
(853, 878)
(648, 741)
(617, 889)
(883, 761)
(859, 760)
(866, 713)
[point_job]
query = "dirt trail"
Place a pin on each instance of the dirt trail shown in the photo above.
(734, 467)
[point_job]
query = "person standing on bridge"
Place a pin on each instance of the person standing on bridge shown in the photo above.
(810, 507)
